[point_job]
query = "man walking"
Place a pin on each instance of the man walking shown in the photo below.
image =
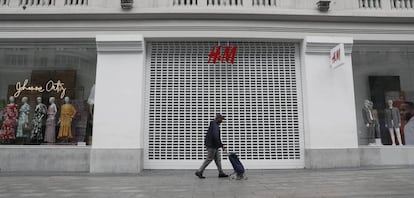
(213, 143)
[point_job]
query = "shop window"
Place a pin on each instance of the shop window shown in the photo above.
(383, 86)
(46, 93)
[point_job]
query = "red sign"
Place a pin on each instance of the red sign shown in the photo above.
(337, 56)
(227, 56)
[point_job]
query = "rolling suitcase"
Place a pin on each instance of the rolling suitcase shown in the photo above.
(237, 167)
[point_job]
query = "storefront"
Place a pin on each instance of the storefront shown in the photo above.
(287, 103)
(256, 85)
(44, 92)
(153, 101)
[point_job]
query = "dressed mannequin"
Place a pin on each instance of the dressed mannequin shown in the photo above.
(91, 99)
(376, 124)
(23, 119)
(393, 122)
(67, 113)
(398, 103)
(8, 128)
(50, 132)
(369, 122)
(39, 115)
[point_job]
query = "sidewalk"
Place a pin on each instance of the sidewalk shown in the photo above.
(363, 183)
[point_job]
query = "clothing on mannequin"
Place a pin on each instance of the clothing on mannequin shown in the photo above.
(393, 122)
(39, 116)
(401, 100)
(91, 100)
(10, 115)
(50, 132)
(67, 113)
(368, 117)
(376, 124)
(23, 119)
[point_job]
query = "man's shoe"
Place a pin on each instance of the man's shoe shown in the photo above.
(199, 175)
(223, 175)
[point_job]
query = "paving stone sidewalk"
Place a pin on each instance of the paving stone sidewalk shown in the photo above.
(356, 183)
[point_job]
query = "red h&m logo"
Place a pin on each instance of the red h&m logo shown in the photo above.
(336, 56)
(228, 55)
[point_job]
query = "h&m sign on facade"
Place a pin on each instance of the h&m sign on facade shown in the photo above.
(337, 57)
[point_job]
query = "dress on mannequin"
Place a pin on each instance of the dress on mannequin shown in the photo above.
(50, 132)
(393, 122)
(23, 119)
(67, 113)
(39, 115)
(10, 114)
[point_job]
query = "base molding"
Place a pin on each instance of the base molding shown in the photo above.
(332, 158)
(44, 158)
(116, 160)
(386, 155)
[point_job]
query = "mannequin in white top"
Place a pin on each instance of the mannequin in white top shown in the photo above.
(393, 122)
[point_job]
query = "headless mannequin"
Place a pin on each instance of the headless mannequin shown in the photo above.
(393, 122)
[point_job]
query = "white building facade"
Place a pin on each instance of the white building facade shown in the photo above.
(157, 84)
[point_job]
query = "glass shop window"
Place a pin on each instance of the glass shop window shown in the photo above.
(384, 92)
(47, 93)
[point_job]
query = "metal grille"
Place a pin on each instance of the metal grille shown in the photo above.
(259, 95)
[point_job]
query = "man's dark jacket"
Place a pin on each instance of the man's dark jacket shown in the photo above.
(213, 139)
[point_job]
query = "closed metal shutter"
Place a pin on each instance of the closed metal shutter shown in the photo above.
(259, 95)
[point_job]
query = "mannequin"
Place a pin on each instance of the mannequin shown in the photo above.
(91, 99)
(67, 113)
(376, 124)
(393, 122)
(369, 122)
(50, 132)
(39, 115)
(23, 119)
(401, 100)
(8, 128)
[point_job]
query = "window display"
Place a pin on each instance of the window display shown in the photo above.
(383, 75)
(62, 74)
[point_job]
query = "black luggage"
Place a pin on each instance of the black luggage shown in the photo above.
(237, 166)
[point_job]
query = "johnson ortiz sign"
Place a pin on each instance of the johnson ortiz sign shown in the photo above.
(337, 57)
(49, 87)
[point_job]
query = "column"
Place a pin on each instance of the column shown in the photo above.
(117, 145)
(329, 105)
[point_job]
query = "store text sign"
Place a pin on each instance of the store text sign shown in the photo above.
(228, 55)
(49, 87)
(337, 56)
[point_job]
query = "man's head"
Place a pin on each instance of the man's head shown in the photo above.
(219, 118)
(407, 110)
